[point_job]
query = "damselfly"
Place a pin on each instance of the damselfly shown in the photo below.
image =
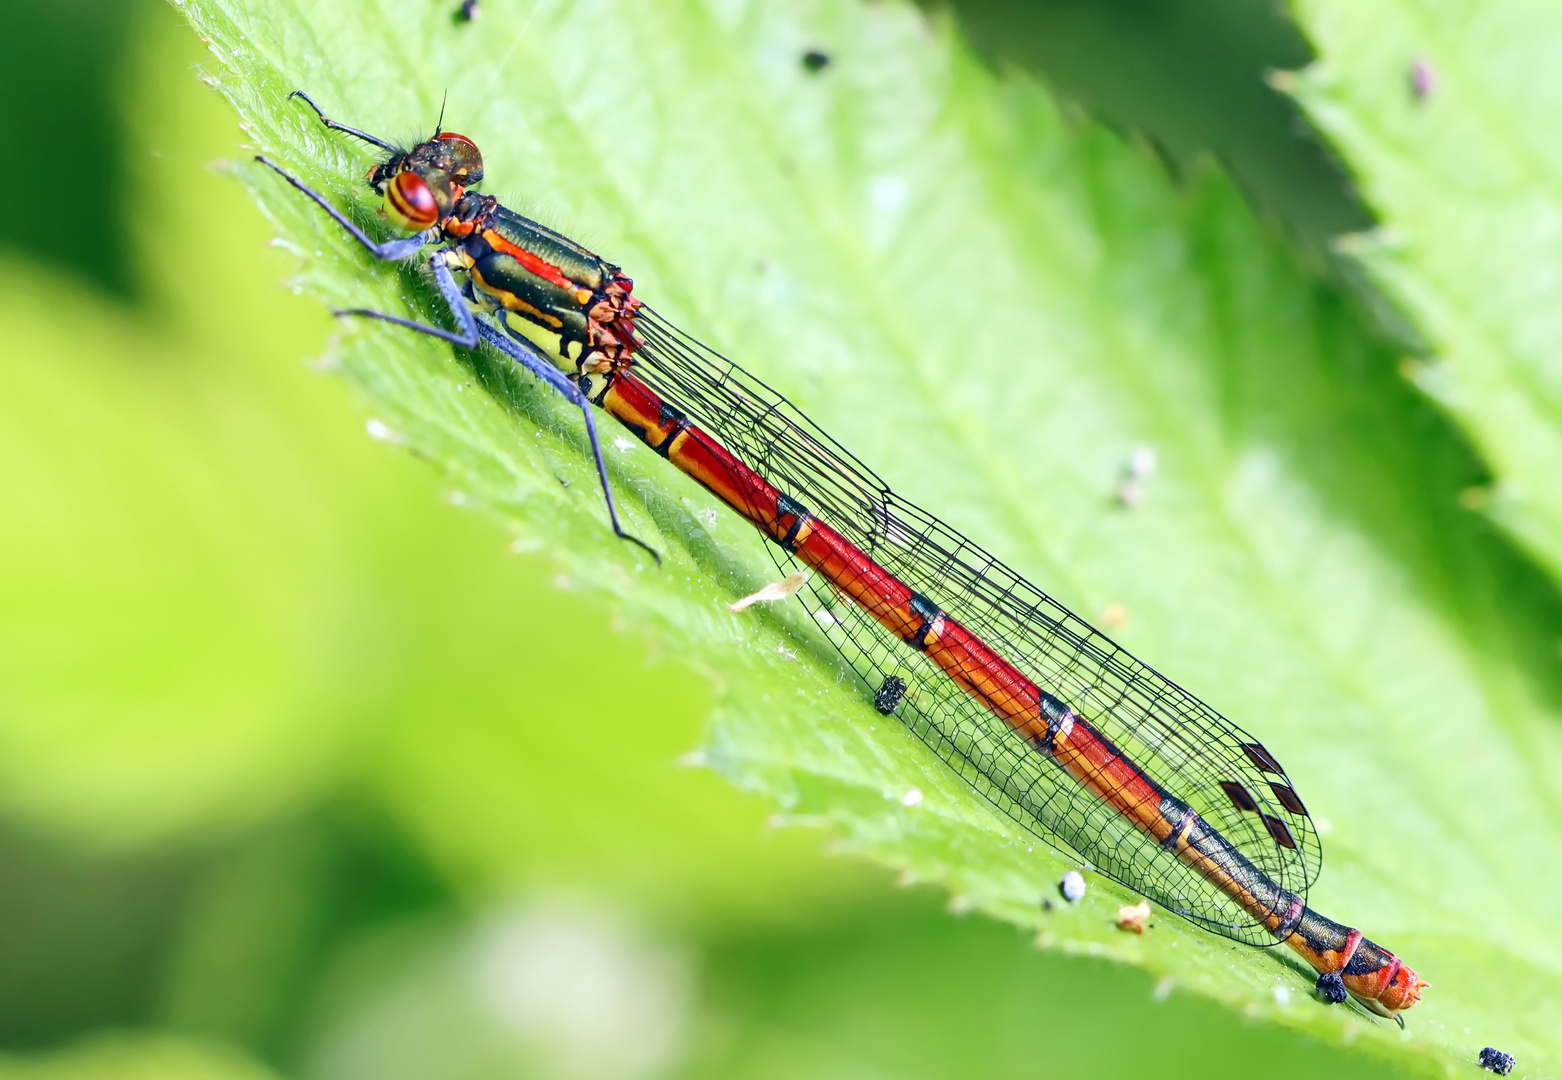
(1038, 711)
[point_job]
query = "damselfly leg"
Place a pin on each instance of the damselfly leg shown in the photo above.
(533, 360)
(373, 140)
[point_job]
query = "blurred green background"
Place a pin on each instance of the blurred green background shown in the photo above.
(304, 774)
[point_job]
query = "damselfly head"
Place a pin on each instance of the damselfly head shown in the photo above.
(411, 200)
(464, 159)
(421, 185)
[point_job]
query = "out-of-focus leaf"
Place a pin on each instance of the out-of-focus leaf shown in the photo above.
(560, 988)
(1190, 76)
(154, 673)
(135, 1057)
(994, 309)
(1448, 114)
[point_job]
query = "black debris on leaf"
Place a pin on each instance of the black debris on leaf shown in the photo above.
(815, 61)
(1494, 1060)
(887, 700)
(1332, 988)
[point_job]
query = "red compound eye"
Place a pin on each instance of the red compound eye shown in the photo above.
(466, 160)
(410, 203)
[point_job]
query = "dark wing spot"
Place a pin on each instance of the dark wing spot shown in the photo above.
(1288, 799)
(1238, 795)
(1279, 831)
(1262, 758)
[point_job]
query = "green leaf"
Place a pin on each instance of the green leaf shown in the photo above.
(994, 307)
(1448, 120)
(135, 1057)
(895, 988)
(173, 627)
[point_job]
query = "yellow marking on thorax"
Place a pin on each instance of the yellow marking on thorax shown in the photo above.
(539, 336)
(510, 302)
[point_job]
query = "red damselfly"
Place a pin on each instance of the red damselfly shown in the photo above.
(1038, 711)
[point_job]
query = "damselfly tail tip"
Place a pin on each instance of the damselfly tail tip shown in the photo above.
(1402, 992)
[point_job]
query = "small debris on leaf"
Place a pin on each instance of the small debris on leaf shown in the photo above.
(1072, 886)
(1494, 1060)
(1332, 988)
(1134, 917)
(776, 590)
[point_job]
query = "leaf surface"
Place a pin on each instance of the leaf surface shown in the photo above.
(995, 307)
(1447, 116)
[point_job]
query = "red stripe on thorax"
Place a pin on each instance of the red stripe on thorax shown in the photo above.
(541, 267)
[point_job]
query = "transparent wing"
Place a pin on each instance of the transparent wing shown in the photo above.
(1183, 745)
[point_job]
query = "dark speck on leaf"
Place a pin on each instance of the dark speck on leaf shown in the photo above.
(469, 10)
(815, 61)
(1494, 1060)
(1332, 988)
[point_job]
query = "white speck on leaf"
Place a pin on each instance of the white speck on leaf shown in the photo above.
(1072, 886)
(379, 429)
